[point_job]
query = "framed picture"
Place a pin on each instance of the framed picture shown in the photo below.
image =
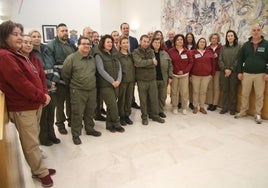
(49, 32)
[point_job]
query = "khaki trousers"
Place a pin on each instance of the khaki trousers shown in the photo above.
(213, 93)
(200, 86)
(257, 80)
(27, 124)
(180, 87)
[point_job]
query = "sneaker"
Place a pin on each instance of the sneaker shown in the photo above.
(145, 121)
(46, 181)
(175, 111)
(51, 172)
(258, 119)
(203, 111)
(239, 115)
(44, 155)
(76, 140)
(195, 110)
(159, 120)
(184, 111)
(93, 132)
(128, 120)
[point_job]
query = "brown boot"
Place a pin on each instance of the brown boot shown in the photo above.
(203, 111)
(195, 110)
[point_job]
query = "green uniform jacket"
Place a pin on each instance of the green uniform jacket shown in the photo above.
(229, 57)
(143, 60)
(253, 62)
(79, 72)
(166, 66)
(128, 69)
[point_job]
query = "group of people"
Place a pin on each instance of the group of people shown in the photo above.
(37, 78)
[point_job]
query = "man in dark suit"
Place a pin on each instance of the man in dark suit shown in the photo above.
(133, 44)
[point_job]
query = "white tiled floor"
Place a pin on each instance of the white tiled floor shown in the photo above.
(188, 151)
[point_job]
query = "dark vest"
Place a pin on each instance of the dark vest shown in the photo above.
(111, 66)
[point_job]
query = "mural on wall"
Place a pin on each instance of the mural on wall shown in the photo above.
(203, 17)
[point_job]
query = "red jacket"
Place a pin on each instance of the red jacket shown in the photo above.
(203, 64)
(216, 55)
(181, 62)
(24, 85)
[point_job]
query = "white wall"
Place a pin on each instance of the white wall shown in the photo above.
(102, 15)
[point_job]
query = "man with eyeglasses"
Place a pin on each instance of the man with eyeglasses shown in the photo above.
(252, 69)
(78, 72)
(61, 47)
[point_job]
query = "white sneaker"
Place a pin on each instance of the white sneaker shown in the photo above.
(175, 111)
(258, 119)
(184, 111)
(44, 155)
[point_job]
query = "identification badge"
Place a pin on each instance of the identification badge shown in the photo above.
(260, 49)
(197, 56)
(183, 56)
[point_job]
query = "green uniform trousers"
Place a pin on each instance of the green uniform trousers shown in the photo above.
(83, 104)
(229, 91)
(63, 95)
(125, 98)
(110, 96)
(148, 94)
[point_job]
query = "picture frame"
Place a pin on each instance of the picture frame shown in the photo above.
(49, 32)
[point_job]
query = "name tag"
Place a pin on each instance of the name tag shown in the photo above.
(197, 56)
(183, 56)
(260, 49)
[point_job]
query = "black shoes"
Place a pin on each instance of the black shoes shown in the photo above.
(135, 105)
(191, 106)
(55, 140)
(123, 121)
(212, 107)
(100, 118)
(114, 129)
(93, 132)
(46, 143)
(103, 111)
(145, 121)
(232, 112)
(128, 120)
(159, 120)
(223, 111)
(76, 140)
(162, 115)
(62, 130)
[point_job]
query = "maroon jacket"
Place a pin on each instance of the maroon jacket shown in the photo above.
(216, 55)
(181, 62)
(23, 83)
(203, 64)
